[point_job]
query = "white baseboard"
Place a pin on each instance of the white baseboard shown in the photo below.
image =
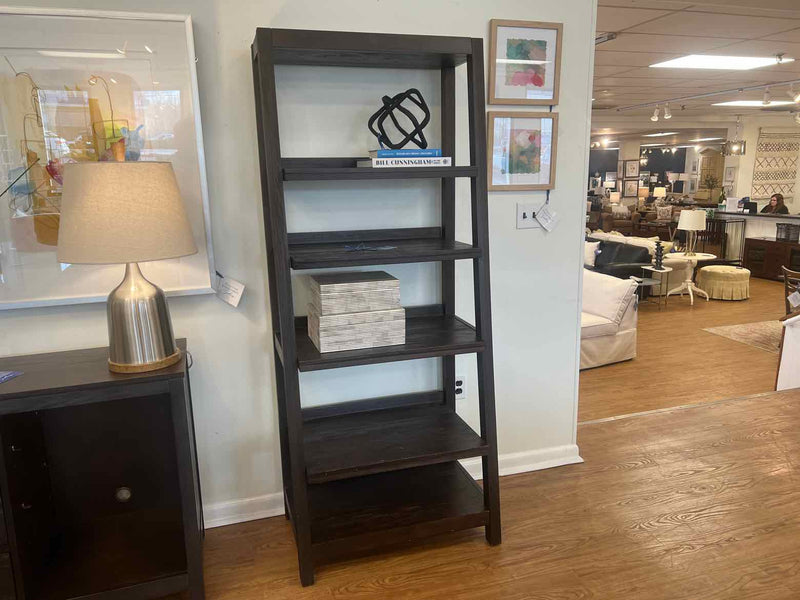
(532, 460)
(239, 511)
(271, 505)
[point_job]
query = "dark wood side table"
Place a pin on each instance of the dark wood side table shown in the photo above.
(98, 479)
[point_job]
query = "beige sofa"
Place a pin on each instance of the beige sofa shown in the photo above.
(681, 268)
(608, 320)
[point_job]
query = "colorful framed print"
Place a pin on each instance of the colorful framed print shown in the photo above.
(524, 62)
(631, 169)
(83, 86)
(631, 189)
(522, 150)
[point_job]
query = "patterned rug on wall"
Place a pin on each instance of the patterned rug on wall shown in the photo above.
(765, 335)
(777, 157)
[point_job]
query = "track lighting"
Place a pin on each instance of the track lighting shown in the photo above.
(767, 97)
(794, 95)
(667, 112)
(655, 114)
(797, 118)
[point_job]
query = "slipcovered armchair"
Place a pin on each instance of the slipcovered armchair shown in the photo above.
(608, 320)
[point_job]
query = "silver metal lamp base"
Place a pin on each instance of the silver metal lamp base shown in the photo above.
(140, 334)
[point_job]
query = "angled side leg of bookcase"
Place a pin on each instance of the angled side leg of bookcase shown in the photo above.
(449, 223)
(282, 309)
(483, 310)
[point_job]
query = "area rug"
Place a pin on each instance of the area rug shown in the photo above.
(765, 335)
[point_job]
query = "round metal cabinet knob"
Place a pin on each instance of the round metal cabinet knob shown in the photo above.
(123, 494)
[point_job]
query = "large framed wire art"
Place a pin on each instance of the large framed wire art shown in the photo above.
(80, 86)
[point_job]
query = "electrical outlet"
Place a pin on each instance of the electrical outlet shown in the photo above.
(526, 215)
(461, 387)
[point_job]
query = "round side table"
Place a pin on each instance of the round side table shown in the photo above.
(689, 285)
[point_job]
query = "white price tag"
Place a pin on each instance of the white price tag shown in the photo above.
(229, 290)
(547, 218)
(794, 299)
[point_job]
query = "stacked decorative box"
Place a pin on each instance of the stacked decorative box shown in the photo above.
(349, 311)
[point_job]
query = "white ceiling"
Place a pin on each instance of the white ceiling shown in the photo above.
(650, 31)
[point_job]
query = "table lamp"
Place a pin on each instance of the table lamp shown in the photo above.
(614, 197)
(127, 212)
(691, 221)
(660, 192)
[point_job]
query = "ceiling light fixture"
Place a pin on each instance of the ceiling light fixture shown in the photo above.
(767, 97)
(78, 54)
(736, 146)
(655, 114)
(660, 134)
(731, 63)
(706, 139)
(604, 37)
(146, 47)
(667, 112)
(753, 103)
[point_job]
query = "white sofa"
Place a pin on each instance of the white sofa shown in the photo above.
(681, 268)
(608, 320)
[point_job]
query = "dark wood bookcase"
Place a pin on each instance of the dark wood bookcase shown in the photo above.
(370, 473)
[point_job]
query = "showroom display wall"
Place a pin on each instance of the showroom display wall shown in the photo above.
(535, 275)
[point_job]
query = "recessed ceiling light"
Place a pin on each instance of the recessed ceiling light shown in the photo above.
(706, 139)
(708, 61)
(651, 145)
(755, 103)
(661, 134)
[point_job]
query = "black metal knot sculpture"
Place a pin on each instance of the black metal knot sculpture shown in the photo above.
(387, 111)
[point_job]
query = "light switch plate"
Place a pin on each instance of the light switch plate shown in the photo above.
(525, 215)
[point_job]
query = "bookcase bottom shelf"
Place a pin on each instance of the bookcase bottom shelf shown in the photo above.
(365, 513)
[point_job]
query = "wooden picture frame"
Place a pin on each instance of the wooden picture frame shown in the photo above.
(631, 188)
(519, 86)
(730, 174)
(499, 151)
(631, 169)
(620, 170)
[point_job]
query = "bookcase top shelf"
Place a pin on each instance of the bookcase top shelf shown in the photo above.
(309, 169)
(376, 50)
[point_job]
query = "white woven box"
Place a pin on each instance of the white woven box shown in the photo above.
(353, 331)
(337, 293)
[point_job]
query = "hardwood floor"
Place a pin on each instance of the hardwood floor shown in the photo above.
(693, 503)
(678, 363)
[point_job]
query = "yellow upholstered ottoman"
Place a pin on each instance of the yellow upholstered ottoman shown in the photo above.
(722, 282)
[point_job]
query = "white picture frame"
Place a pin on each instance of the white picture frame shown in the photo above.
(86, 98)
(692, 185)
(730, 174)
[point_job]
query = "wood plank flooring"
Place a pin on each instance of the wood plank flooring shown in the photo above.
(694, 503)
(678, 363)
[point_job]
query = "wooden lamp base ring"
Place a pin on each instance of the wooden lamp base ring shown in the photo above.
(145, 367)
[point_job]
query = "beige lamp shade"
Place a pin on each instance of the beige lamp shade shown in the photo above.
(614, 196)
(660, 192)
(122, 212)
(644, 192)
(692, 220)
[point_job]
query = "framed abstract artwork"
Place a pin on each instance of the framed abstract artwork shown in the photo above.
(82, 86)
(631, 169)
(631, 189)
(522, 150)
(524, 62)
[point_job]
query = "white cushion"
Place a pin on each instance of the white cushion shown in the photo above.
(642, 243)
(590, 253)
(596, 326)
(606, 296)
(620, 210)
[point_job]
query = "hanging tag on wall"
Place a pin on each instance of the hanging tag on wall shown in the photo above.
(547, 218)
(229, 290)
(794, 299)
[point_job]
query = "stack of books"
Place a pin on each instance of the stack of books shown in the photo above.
(350, 311)
(406, 157)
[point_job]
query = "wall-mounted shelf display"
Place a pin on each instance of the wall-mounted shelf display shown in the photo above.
(369, 473)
